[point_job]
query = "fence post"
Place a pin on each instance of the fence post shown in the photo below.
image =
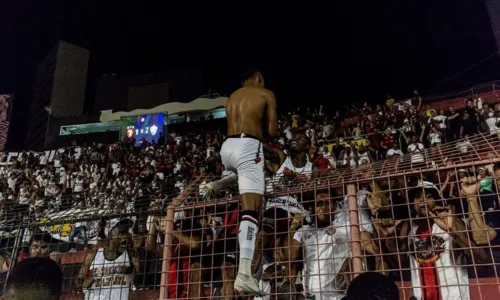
(357, 263)
(169, 228)
(15, 250)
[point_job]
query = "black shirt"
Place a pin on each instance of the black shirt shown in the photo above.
(470, 126)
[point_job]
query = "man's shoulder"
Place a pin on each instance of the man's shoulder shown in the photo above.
(253, 90)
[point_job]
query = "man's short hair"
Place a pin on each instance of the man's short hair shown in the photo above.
(372, 285)
(40, 275)
(420, 191)
(42, 237)
(248, 72)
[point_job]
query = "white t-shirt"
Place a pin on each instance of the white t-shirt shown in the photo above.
(392, 152)
(492, 124)
(363, 156)
(311, 134)
(352, 160)
(451, 271)
(326, 250)
(288, 133)
(441, 120)
(78, 185)
(327, 130)
(416, 150)
(116, 168)
(342, 218)
(111, 282)
(62, 177)
(435, 138)
(463, 146)
(286, 202)
(43, 160)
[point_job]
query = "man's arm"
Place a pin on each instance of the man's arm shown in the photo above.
(4, 267)
(444, 218)
(83, 279)
(187, 241)
(460, 236)
(482, 234)
(134, 258)
(274, 158)
(272, 118)
(290, 254)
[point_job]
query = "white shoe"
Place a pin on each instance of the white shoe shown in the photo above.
(210, 188)
(248, 285)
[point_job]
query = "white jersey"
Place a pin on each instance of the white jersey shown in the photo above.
(326, 250)
(342, 213)
(111, 282)
(416, 150)
(288, 203)
(432, 254)
(364, 156)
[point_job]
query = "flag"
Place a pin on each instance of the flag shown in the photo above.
(4, 128)
(5, 112)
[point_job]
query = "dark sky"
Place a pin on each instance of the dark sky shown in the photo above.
(331, 52)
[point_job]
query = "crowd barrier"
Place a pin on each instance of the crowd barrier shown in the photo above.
(314, 238)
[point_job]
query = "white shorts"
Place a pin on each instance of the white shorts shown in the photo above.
(245, 157)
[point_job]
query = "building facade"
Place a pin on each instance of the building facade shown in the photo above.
(145, 91)
(58, 91)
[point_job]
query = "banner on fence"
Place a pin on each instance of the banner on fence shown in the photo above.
(61, 224)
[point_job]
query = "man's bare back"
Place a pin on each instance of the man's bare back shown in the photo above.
(246, 111)
(248, 108)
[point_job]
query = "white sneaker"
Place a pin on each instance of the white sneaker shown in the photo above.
(248, 285)
(210, 188)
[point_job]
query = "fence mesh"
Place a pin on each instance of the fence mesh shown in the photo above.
(428, 220)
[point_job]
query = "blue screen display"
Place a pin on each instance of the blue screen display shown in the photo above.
(148, 128)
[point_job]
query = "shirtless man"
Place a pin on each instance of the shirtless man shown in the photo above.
(242, 153)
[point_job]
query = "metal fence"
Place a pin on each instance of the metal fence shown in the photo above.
(430, 223)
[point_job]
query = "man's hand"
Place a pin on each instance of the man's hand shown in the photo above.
(443, 217)
(386, 227)
(375, 203)
(87, 282)
(185, 194)
(469, 186)
(300, 177)
(297, 220)
(55, 256)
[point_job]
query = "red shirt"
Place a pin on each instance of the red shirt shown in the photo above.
(388, 140)
(322, 163)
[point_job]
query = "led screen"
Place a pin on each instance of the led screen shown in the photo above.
(147, 128)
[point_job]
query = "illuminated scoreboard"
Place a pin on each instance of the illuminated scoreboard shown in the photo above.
(146, 128)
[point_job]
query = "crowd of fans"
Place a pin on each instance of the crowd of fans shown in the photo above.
(113, 177)
(364, 134)
(110, 178)
(122, 178)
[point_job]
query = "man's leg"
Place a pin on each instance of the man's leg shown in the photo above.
(195, 281)
(259, 245)
(83, 233)
(228, 277)
(247, 235)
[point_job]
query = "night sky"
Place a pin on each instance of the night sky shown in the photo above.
(311, 52)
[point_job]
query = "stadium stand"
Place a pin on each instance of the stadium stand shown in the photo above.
(405, 189)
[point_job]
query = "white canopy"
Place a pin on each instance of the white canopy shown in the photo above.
(170, 108)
